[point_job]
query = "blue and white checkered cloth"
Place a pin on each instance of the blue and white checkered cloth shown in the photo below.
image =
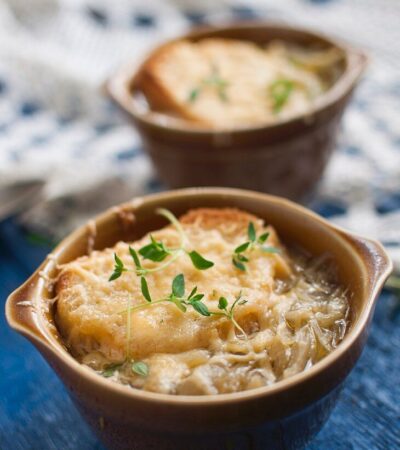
(55, 123)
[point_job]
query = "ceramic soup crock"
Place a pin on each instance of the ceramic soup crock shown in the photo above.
(285, 415)
(286, 158)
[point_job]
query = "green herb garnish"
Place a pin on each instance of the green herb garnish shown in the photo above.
(109, 370)
(193, 300)
(178, 286)
(145, 289)
(118, 268)
(280, 91)
(140, 368)
(239, 260)
(228, 312)
(194, 93)
(135, 258)
(156, 251)
(214, 81)
(177, 297)
(251, 232)
(199, 262)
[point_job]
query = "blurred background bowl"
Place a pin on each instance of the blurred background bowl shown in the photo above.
(286, 158)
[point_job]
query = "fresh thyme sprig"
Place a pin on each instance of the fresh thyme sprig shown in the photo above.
(229, 311)
(194, 300)
(157, 251)
(280, 91)
(239, 259)
(177, 297)
(214, 80)
(138, 367)
(118, 268)
(111, 368)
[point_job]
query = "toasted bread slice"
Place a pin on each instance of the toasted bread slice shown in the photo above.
(222, 83)
(90, 308)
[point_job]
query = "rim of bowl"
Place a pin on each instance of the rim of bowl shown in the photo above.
(119, 85)
(46, 338)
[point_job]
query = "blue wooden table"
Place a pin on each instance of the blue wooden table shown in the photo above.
(36, 413)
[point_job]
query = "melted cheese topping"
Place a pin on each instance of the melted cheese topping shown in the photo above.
(187, 353)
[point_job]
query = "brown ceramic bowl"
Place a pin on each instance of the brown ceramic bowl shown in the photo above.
(284, 415)
(286, 158)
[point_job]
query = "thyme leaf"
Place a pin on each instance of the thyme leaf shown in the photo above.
(135, 257)
(215, 81)
(242, 248)
(261, 239)
(118, 268)
(196, 298)
(199, 261)
(251, 232)
(280, 91)
(200, 307)
(155, 251)
(239, 260)
(140, 368)
(193, 94)
(145, 289)
(194, 290)
(238, 264)
(178, 286)
(222, 303)
(109, 370)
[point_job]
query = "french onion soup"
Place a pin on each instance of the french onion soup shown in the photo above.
(230, 83)
(212, 303)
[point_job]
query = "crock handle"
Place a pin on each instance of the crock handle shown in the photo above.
(20, 309)
(358, 63)
(379, 265)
